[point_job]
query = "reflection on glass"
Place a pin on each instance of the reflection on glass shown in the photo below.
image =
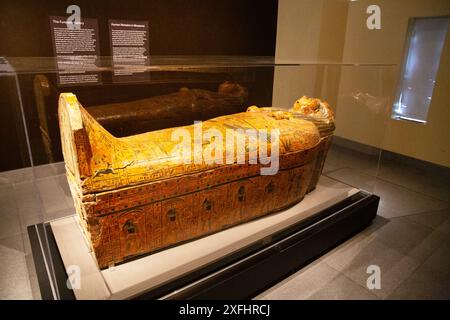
(426, 38)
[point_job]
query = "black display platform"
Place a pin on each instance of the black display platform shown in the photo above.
(241, 275)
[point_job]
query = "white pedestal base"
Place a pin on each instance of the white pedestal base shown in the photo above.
(132, 278)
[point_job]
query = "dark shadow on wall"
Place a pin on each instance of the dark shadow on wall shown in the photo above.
(176, 27)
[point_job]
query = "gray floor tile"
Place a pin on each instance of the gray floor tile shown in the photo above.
(403, 235)
(14, 242)
(59, 167)
(398, 247)
(30, 218)
(354, 178)
(30, 207)
(15, 259)
(329, 167)
(415, 179)
(444, 227)
(62, 182)
(302, 284)
(45, 171)
(15, 289)
(398, 200)
(19, 175)
(341, 256)
(406, 202)
(428, 246)
(59, 214)
(424, 283)
(14, 278)
(440, 259)
(339, 157)
(34, 284)
(343, 288)
(4, 182)
(26, 189)
(431, 219)
(386, 212)
(52, 195)
(10, 225)
(7, 202)
(394, 266)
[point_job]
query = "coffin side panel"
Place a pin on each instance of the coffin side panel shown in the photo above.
(133, 232)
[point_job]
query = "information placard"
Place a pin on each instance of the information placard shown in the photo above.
(76, 51)
(130, 50)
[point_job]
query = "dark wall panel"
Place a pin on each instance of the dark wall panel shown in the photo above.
(177, 27)
(214, 27)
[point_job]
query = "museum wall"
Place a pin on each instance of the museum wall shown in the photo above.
(428, 142)
(365, 94)
(195, 27)
(298, 32)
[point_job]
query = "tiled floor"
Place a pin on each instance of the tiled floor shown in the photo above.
(409, 239)
(27, 196)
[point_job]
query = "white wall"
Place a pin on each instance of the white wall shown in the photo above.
(297, 33)
(335, 31)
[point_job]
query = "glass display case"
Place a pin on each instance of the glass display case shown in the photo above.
(135, 110)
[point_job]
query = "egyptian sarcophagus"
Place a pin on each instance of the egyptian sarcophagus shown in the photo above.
(163, 111)
(138, 114)
(145, 192)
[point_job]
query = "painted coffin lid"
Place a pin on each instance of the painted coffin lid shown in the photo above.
(317, 111)
(100, 162)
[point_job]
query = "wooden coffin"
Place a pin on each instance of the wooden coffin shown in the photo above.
(170, 110)
(139, 114)
(319, 113)
(134, 197)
